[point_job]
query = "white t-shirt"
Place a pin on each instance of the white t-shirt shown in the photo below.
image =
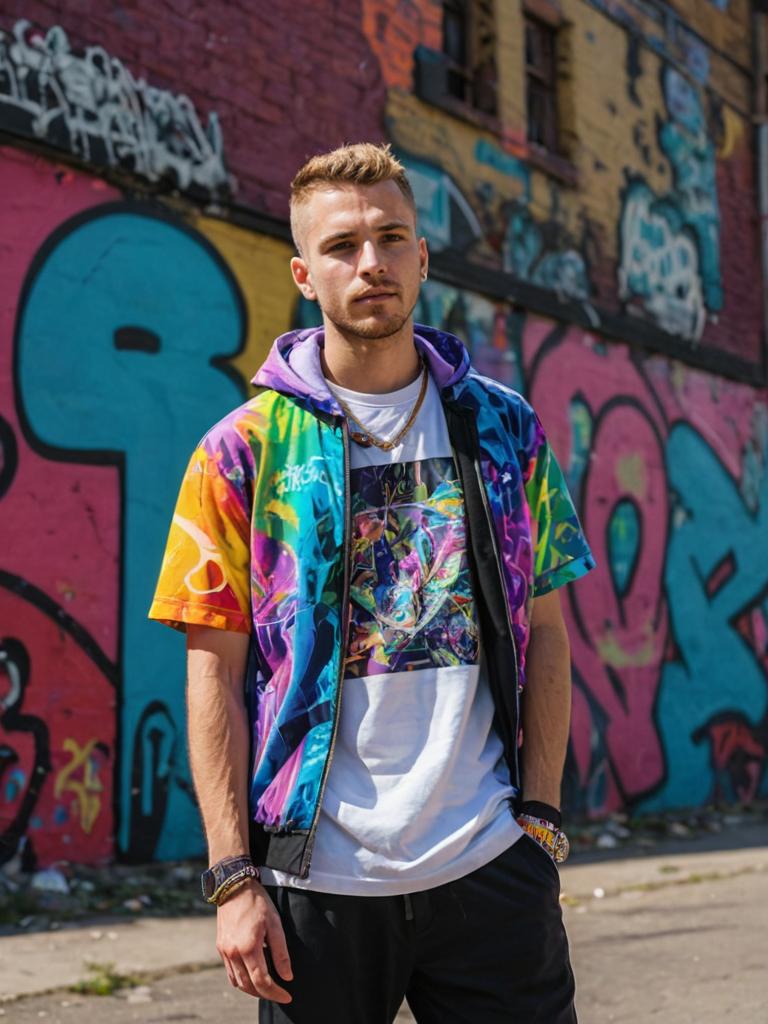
(418, 789)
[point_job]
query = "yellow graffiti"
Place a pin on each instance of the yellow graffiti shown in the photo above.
(733, 129)
(631, 475)
(86, 789)
(261, 267)
(641, 651)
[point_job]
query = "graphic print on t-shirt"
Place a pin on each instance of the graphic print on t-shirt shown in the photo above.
(411, 596)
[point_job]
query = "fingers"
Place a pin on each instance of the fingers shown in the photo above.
(250, 975)
(262, 981)
(231, 976)
(278, 949)
(236, 969)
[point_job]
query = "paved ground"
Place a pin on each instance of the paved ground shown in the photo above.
(679, 937)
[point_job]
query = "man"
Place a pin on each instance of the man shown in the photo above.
(365, 557)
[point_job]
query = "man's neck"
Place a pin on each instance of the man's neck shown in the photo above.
(371, 366)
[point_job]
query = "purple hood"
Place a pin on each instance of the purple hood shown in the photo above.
(293, 364)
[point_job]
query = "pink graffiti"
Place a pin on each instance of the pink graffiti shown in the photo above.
(64, 521)
(64, 518)
(618, 641)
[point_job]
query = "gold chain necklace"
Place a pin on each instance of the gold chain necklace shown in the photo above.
(365, 438)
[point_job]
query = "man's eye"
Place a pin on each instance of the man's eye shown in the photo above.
(339, 245)
(392, 236)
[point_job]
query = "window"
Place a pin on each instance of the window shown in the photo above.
(469, 46)
(461, 77)
(455, 49)
(541, 83)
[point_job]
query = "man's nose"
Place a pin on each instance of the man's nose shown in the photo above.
(371, 259)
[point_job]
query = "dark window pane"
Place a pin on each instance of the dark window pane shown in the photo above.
(457, 85)
(541, 83)
(540, 48)
(542, 121)
(455, 32)
(469, 45)
(485, 87)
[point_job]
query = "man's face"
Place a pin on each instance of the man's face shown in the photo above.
(360, 257)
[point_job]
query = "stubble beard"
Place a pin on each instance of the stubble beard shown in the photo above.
(379, 330)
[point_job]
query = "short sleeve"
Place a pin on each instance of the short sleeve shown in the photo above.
(561, 552)
(205, 575)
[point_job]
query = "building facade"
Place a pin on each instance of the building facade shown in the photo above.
(590, 176)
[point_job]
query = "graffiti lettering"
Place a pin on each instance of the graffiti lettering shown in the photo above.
(660, 263)
(93, 106)
(445, 216)
(716, 672)
(88, 788)
(562, 270)
(153, 770)
(611, 442)
(670, 245)
(296, 476)
(691, 153)
(139, 269)
(28, 739)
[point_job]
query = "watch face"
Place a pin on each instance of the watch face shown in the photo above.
(562, 847)
(208, 881)
(541, 834)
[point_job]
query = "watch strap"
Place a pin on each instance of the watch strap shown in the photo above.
(223, 877)
(227, 888)
(538, 809)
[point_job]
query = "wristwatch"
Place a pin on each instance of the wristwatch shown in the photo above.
(537, 820)
(221, 879)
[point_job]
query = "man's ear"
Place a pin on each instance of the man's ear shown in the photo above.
(423, 258)
(301, 276)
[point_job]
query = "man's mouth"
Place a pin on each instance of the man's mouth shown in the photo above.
(375, 296)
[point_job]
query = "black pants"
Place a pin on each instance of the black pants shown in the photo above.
(487, 949)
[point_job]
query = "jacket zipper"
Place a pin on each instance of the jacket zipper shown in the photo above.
(347, 552)
(494, 543)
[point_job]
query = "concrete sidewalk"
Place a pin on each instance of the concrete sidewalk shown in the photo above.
(151, 947)
(598, 893)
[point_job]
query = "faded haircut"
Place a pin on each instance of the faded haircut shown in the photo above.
(362, 163)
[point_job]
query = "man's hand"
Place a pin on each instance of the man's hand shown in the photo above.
(246, 923)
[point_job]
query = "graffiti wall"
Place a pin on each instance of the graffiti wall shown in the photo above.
(643, 227)
(669, 469)
(670, 662)
(126, 331)
(130, 322)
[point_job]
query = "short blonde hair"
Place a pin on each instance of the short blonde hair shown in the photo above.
(361, 163)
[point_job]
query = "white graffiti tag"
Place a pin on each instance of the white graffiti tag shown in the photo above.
(93, 106)
(660, 264)
(298, 475)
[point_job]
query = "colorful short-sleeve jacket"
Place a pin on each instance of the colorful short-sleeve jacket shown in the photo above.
(259, 544)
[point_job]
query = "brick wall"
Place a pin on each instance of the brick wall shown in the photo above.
(287, 80)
